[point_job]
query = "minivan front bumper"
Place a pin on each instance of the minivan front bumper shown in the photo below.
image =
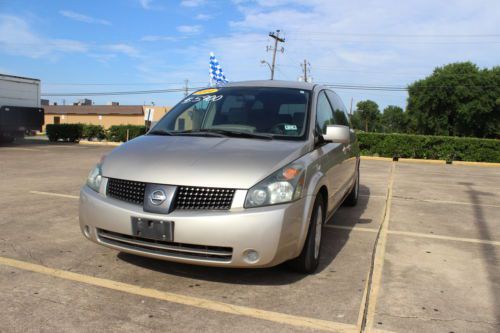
(203, 237)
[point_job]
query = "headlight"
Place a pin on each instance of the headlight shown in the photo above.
(284, 185)
(95, 178)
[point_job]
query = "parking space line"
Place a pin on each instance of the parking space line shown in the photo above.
(55, 194)
(415, 234)
(378, 257)
(206, 304)
(21, 149)
(444, 202)
(459, 239)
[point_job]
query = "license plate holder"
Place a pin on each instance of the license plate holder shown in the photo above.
(160, 230)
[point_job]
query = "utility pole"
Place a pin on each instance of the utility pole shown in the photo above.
(306, 68)
(186, 87)
(350, 110)
(277, 39)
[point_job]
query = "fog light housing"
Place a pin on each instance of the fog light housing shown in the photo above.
(86, 231)
(251, 256)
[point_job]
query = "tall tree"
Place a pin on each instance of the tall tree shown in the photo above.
(368, 113)
(458, 99)
(393, 120)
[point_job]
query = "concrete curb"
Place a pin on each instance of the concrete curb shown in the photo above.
(98, 143)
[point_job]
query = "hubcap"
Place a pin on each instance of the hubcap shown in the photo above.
(317, 236)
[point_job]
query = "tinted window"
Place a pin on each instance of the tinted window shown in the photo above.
(324, 113)
(339, 109)
(278, 111)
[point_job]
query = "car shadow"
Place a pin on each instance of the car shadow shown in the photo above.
(333, 242)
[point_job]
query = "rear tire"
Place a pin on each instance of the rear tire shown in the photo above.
(352, 198)
(308, 260)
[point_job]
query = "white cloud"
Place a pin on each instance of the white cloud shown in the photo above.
(146, 4)
(158, 38)
(203, 17)
(189, 29)
(82, 18)
(17, 37)
(192, 3)
(124, 48)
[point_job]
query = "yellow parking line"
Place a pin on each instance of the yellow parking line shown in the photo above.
(416, 234)
(459, 239)
(281, 318)
(445, 202)
(55, 194)
(22, 149)
(375, 280)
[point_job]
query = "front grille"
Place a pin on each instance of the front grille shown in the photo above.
(126, 190)
(187, 197)
(204, 198)
(165, 249)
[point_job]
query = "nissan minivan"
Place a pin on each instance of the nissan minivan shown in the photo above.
(243, 175)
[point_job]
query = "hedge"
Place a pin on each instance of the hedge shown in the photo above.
(118, 133)
(65, 132)
(429, 147)
(76, 132)
(93, 132)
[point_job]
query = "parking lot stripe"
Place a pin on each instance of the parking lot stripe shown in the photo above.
(55, 194)
(22, 149)
(444, 202)
(459, 239)
(415, 234)
(375, 279)
(281, 318)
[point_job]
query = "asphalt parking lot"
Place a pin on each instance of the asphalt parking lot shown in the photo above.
(420, 253)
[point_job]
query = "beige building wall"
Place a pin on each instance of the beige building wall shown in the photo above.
(106, 120)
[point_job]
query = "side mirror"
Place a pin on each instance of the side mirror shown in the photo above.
(337, 134)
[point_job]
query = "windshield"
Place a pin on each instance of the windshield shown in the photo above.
(279, 113)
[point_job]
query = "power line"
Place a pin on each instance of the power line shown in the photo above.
(114, 93)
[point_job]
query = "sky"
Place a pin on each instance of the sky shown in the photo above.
(137, 45)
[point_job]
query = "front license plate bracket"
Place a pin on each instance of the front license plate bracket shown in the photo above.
(159, 230)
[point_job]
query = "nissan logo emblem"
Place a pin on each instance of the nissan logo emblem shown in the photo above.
(157, 197)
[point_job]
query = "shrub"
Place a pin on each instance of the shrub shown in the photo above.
(93, 131)
(65, 132)
(118, 133)
(429, 147)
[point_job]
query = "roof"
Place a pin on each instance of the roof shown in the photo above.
(273, 83)
(19, 77)
(94, 109)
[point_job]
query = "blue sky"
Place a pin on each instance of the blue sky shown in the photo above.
(99, 46)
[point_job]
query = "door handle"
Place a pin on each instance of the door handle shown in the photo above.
(346, 149)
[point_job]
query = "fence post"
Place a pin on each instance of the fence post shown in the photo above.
(127, 134)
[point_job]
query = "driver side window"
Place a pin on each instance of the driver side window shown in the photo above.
(324, 113)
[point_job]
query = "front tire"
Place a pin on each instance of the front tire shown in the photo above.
(308, 260)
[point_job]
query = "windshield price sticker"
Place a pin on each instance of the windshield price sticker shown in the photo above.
(206, 91)
(208, 98)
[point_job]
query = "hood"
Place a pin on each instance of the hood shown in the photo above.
(200, 161)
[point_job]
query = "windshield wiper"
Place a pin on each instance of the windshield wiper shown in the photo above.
(160, 132)
(238, 134)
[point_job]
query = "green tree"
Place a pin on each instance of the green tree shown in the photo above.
(458, 99)
(368, 113)
(393, 120)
